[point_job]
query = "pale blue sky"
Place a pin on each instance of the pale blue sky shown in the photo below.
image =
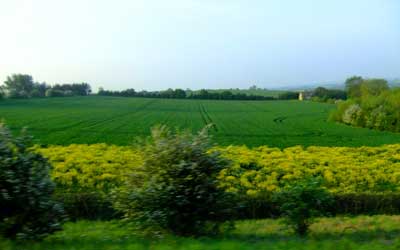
(156, 44)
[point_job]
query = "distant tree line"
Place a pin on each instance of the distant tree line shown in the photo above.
(288, 95)
(182, 94)
(322, 94)
(371, 104)
(23, 86)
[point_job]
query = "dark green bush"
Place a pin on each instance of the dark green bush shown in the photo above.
(289, 95)
(367, 203)
(302, 202)
(176, 189)
(27, 210)
(87, 206)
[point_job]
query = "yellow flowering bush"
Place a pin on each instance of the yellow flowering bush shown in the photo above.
(85, 174)
(344, 169)
(252, 172)
(100, 167)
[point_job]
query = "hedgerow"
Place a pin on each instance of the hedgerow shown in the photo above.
(360, 178)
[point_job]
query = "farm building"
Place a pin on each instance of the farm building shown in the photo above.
(305, 95)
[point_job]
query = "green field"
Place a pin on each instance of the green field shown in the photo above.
(118, 120)
(340, 233)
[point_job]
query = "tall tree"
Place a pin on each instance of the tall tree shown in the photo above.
(373, 87)
(19, 85)
(353, 86)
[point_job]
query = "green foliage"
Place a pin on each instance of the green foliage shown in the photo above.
(372, 105)
(19, 85)
(302, 202)
(373, 87)
(288, 95)
(22, 86)
(176, 190)
(54, 93)
(188, 94)
(322, 94)
(353, 86)
(27, 210)
(73, 89)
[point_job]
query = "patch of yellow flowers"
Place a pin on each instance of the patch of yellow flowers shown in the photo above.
(96, 167)
(344, 169)
(253, 172)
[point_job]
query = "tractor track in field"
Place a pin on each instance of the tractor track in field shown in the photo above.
(115, 117)
(206, 117)
(280, 119)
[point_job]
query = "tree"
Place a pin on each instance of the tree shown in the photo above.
(39, 89)
(54, 93)
(253, 87)
(302, 202)
(176, 189)
(353, 86)
(179, 93)
(27, 210)
(324, 94)
(77, 89)
(19, 85)
(288, 95)
(373, 87)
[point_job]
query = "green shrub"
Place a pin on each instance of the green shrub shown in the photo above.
(86, 206)
(372, 104)
(176, 188)
(27, 210)
(302, 202)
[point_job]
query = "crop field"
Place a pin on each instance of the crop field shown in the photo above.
(117, 120)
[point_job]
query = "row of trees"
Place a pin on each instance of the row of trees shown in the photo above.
(371, 104)
(322, 94)
(201, 94)
(23, 86)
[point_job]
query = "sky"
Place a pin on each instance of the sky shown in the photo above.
(158, 44)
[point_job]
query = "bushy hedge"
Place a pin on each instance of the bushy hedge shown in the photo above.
(343, 204)
(176, 188)
(27, 209)
(357, 177)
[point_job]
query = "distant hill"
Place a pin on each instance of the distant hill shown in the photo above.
(394, 82)
(274, 92)
(311, 86)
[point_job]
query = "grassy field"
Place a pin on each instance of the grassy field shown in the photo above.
(117, 120)
(376, 232)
